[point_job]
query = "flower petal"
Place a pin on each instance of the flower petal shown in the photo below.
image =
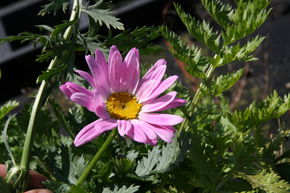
(123, 127)
(99, 68)
(159, 103)
(132, 73)
(78, 94)
(84, 100)
(151, 73)
(145, 127)
(145, 90)
(156, 73)
(115, 69)
(166, 133)
(160, 119)
(164, 85)
(139, 135)
(177, 102)
(88, 77)
(93, 130)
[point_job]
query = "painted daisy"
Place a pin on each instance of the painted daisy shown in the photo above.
(123, 100)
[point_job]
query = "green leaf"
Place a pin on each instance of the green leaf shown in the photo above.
(123, 189)
(46, 75)
(189, 54)
(140, 38)
(8, 107)
(202, 31)
(217, 86)
(160, 160)
(246, 18)
(272, 107)
(103, 16)
(237, 52)
(268, 181)
(53, 7)
(123, 166)
(219, 11)
(77, 189)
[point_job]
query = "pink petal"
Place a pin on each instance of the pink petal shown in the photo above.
(156, 73)
(139, 135)
(145, 127)
(87, 77)
(70, 88)
(102, 112)
(116, 69)
(99, 68)
(166, 133)
(164, 85)
(160, 119)
(151, 72)
(83, 100)
(78, 94)
(177, 102)
(159, 103)
(132, 73)
(146, 90)
(93, 130)
(123, 127)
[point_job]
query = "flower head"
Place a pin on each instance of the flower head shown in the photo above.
(122, 100)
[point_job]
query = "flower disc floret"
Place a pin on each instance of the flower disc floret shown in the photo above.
(123, 106)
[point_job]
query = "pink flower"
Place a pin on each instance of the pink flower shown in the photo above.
(121, 99)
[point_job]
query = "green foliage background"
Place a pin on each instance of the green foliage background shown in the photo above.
(215, 150)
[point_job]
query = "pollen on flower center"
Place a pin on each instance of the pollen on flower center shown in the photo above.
(122, 105)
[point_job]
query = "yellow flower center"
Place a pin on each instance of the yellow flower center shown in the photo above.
(122, 105)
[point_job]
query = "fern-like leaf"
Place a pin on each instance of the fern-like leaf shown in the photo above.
(189, 54)
(216, 86)
(267, 181)
(103, 16)
(202, 31)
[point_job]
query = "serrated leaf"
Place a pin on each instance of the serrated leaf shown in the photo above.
(202, 31)
(246, 18)
(237, 52)
(8, 107)
(216, 86)
(53, 7)
(123, 189)
(267, 180)
(123, 166)
(104, 16)
(189, 54)
(160, 160)
(272, 107)
(140, 38)
(219, 11)
(46, 75)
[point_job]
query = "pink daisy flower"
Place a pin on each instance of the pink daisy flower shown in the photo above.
(122, 100)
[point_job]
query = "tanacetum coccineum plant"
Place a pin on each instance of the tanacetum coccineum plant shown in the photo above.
(121, 99)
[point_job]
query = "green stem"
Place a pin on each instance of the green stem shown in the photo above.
(39, 98)
(96, 157)
(195, 100)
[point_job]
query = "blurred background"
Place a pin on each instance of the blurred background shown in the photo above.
(19, 69)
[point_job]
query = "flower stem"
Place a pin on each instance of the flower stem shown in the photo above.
(96, 157)
(195, 100)
(25, 159)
